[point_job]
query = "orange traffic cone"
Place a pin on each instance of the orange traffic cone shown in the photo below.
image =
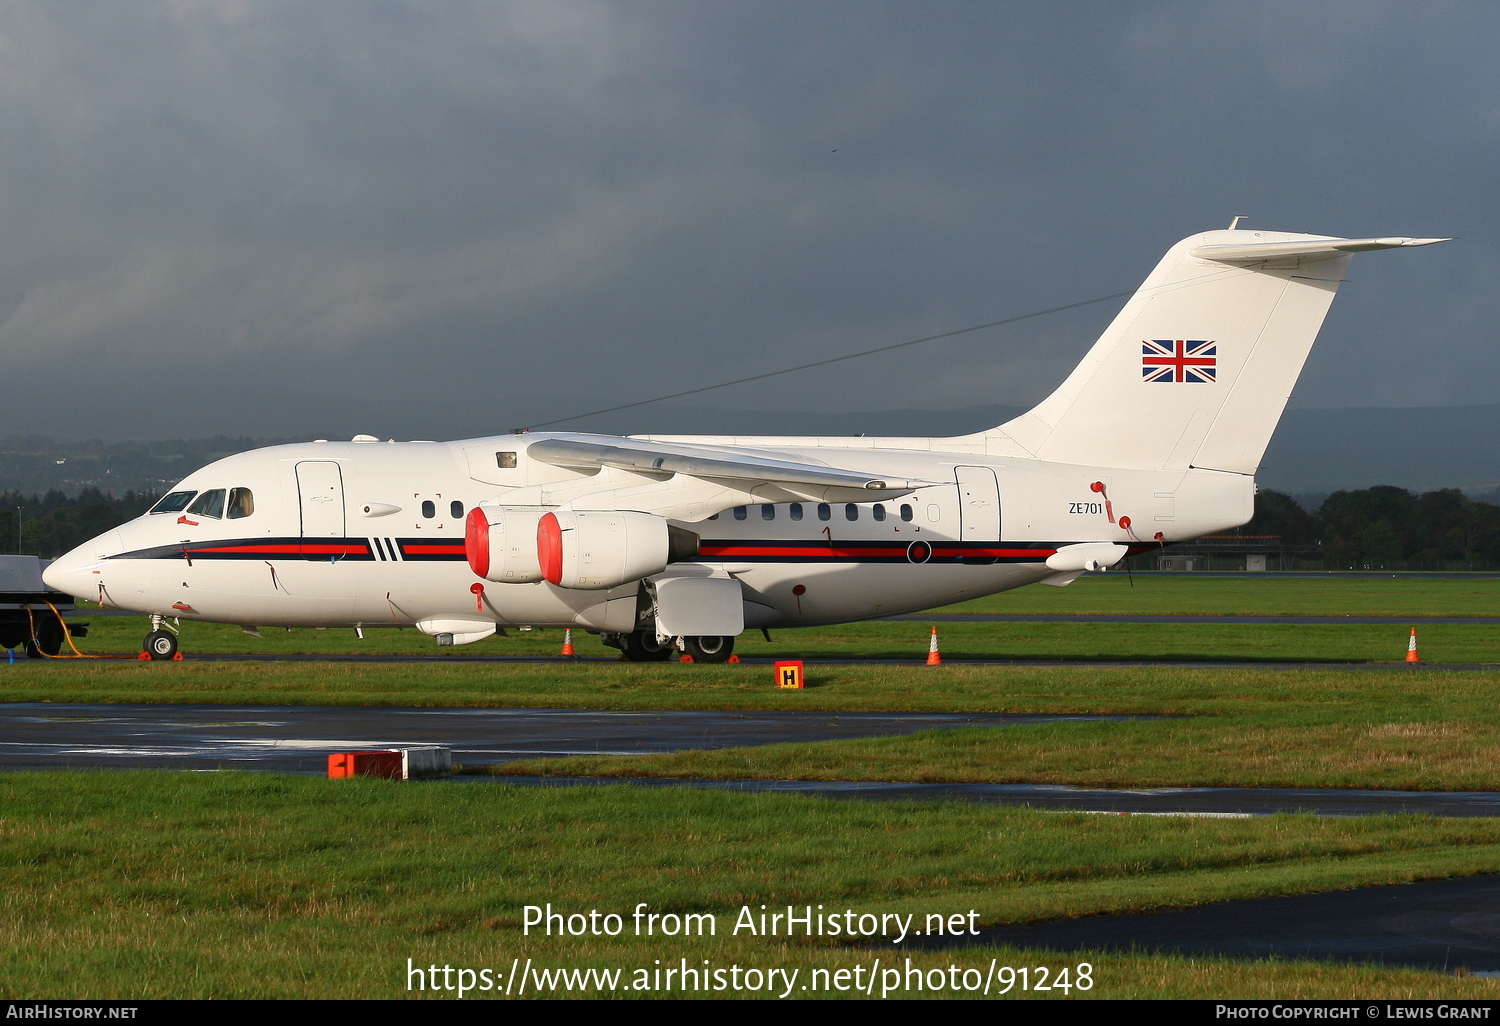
(567, 648)
(686, 658)
(933, 658)
(1411, 648)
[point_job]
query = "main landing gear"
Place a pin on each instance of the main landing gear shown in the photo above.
(645, 647)
(160, 643)
(710, 648)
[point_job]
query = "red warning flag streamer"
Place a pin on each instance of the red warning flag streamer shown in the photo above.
(1109, 511)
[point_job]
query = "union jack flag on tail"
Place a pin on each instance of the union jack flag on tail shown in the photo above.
(1193, 361)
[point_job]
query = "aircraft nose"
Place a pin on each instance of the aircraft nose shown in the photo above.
(73, 572)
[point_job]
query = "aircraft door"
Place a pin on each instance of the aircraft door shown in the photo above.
(978, 504)
(320, 486)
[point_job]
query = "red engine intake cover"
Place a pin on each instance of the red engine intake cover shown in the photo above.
(549, 548)
(477, 541)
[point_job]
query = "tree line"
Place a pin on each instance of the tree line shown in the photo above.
(51, 523)
(1385, 526)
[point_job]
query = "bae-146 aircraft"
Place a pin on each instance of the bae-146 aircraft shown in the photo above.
(667, 543)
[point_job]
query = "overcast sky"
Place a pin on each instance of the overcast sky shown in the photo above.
(214, 213)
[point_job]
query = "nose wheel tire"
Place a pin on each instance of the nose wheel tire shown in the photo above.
(710, 648)
(160, 644)
(642, 647)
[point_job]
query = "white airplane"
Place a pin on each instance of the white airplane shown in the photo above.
(666, 543)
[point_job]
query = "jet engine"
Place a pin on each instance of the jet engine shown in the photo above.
(597, 549)
(589, 550)
(500, 543)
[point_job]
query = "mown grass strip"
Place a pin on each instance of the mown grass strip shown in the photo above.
(1268, 751)
(1441, 643)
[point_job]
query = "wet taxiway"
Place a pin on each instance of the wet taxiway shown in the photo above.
(1435, 924)
(1157, 801)
(299, 738)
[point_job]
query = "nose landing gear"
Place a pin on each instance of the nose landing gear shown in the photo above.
(160, 643)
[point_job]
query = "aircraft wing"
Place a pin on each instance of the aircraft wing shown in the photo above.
(667, 458)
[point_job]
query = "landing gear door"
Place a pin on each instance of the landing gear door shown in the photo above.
(978, 504)
(699, 606)
(320, 487)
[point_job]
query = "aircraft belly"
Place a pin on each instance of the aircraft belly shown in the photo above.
(842, 592)
(411, 591)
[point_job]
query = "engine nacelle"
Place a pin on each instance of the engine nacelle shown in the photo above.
(597, 549)
(501, 543)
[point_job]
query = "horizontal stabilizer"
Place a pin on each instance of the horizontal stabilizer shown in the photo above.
(1318, 249)
(694, 461)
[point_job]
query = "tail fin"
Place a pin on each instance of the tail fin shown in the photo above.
(1196, 369)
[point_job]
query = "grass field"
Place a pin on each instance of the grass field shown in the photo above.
(186, 885)
(159, 885)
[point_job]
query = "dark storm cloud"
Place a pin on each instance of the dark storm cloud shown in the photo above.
(224, 211)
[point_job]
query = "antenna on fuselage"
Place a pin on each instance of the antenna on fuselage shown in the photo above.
(1234, 221)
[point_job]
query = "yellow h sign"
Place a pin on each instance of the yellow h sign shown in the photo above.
(789, 675)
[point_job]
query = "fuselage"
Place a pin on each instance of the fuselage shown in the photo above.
(371, 533)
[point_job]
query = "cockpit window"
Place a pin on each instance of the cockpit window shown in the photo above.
(209, 504)
(173, 503)
(241, 503)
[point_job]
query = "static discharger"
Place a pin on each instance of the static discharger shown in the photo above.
(1411, 648)
(789, 675)
(934, 657)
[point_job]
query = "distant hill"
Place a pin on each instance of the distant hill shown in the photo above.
(1314, 452)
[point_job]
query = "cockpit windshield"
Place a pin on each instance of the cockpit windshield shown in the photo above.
(173, 503)
(209, 504)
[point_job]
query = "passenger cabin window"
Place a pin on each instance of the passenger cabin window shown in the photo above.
(428, 509)
(878, 512)
(851, 511)
(740, 512)
(795, 511)
(906, 512)
(505, 460)
(209, 504)
(767, 511)
(825, 511)
(176, 502)
(241, 503)
(456, 510)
